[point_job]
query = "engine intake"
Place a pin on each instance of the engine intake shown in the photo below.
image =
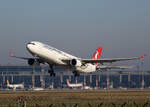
(32, 62)
(75, 62)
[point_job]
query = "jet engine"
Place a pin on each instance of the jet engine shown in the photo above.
(32, 62)
(75, 62)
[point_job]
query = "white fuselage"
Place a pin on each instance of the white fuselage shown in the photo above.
(38, 89)
(74, 85)
(14, 86)
(54, 56)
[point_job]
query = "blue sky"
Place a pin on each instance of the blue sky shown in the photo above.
(76, 26)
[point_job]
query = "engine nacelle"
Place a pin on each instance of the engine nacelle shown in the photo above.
(75, 62)
(32, 62)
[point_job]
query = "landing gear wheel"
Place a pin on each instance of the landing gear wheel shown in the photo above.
(51, 71)
(76, 74)
(54, 74)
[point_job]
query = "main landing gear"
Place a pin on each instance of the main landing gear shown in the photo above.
(51, 71)
(76, 74)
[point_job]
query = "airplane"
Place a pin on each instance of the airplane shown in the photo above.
(14, 86)
(43, 53)
(78, 85)
(37, 89)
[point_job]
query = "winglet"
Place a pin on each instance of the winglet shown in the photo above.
(11, 54)
(143, 55)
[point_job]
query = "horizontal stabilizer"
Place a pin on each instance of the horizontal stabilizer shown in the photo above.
(110, 60)
(114, 67)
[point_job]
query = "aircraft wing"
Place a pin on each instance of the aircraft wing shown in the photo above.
(110, 60)
(25, 58)
(11, 55)
(114, 67)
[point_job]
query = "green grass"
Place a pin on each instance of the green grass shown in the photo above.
(82, 98)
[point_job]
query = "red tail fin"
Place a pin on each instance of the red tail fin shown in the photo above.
(97, 54)
(68, 82)
(8, 84)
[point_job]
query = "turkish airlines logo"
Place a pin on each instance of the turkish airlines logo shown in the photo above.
(96, 55)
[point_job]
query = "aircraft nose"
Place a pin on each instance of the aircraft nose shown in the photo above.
(28, 46)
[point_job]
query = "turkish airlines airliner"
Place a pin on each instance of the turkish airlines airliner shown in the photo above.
(53, 57)
(77, 85)
(14, 86)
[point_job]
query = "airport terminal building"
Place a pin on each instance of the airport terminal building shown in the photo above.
(39, 77)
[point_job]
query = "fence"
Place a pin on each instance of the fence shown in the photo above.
(25, 102)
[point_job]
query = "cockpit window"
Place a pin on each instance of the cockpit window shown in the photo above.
(31, 43)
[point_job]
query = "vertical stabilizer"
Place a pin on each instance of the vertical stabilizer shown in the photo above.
(8, 84)
(68, 84)
(97, 54)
